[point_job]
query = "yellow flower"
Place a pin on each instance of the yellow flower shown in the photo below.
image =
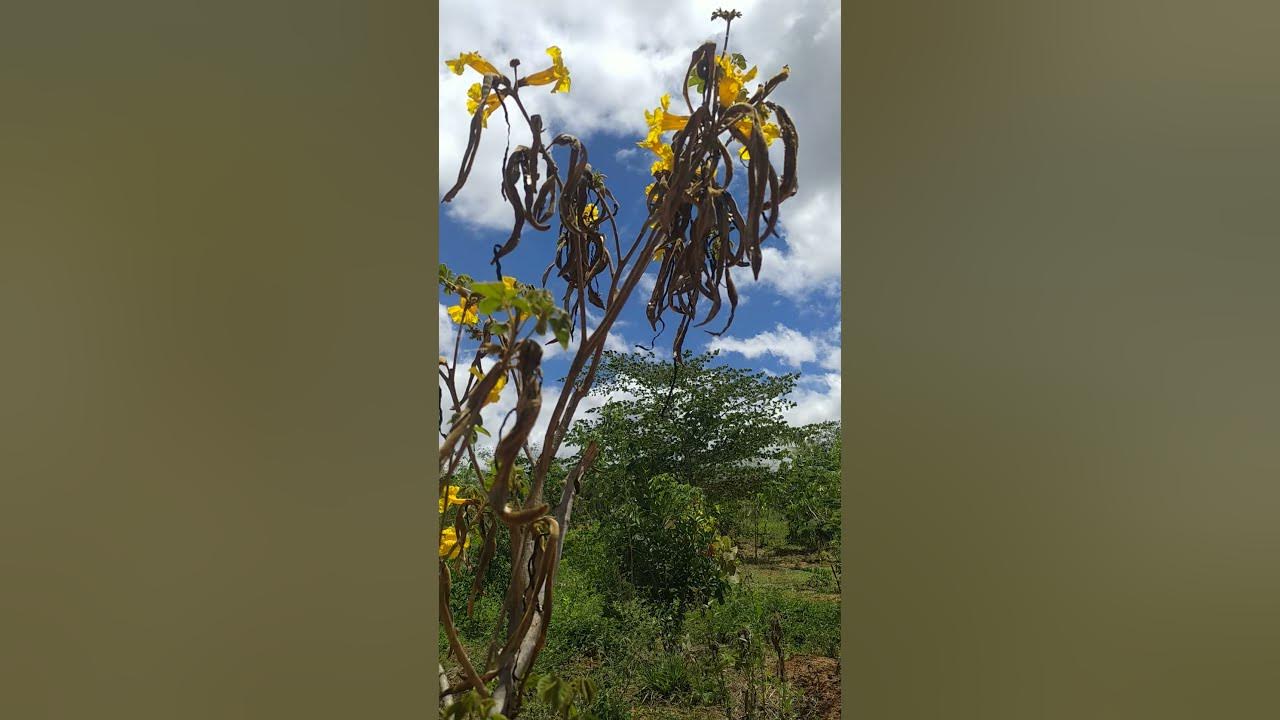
(590, 214)
(451, 497)
(771, 132)
(510, 282)
(496, 392)
(663, 121)
(659, 122)
(449, 543)
(654, 144)
(557, 73)
(491, 103)
(462, 313)
(666, 160)
(732, 84)
(474, 61)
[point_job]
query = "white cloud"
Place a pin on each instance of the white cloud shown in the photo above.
(810, 262)
(817, 400)
(644, 288)
(787, 344)
(446, 332)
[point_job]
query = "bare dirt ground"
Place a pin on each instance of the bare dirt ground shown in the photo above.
(819, 678)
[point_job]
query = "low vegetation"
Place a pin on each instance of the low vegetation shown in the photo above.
(684, 585)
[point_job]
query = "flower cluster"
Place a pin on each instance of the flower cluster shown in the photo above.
(557, 74)
(731, 88)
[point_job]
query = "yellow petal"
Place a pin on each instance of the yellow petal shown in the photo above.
(557, 73)
(463, 314)
(448, 542)
(542, 77)
(452, 493)
(490, 104)
(474, 61)
(496, 393)
(674, 122)
(665, 161)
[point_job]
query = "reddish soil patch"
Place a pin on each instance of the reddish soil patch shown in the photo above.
(819, 679)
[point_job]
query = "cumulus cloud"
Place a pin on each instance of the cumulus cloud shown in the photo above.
(817, 399)
(446, 329)
(787, 345)
(810, 261)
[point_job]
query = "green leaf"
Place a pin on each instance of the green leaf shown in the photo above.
(491, 289)
(488, 305)
(740, 61)
(480, 429)
(562, 333)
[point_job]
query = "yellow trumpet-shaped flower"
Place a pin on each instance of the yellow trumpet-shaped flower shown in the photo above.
(666, 155)
(663, 121)
(732, 83)
(509, 281)
(491, 103)
(496, 392)
(666, 160)
(451, 497)
(474, 61)
(590, 214)
(557, 73)
(449, 543)
(771, 132)
(463, 313)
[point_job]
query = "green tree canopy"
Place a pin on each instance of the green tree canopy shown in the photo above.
(711, 426)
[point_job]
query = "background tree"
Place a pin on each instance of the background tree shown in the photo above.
(718, 428)
(687, 443)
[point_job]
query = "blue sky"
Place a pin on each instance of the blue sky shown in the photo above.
(788, 321)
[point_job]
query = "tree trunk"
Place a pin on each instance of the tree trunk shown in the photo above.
(514, 667)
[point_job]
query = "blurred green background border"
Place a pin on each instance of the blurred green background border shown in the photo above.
(217, 422)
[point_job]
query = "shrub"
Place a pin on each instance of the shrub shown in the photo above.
(668, 549)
